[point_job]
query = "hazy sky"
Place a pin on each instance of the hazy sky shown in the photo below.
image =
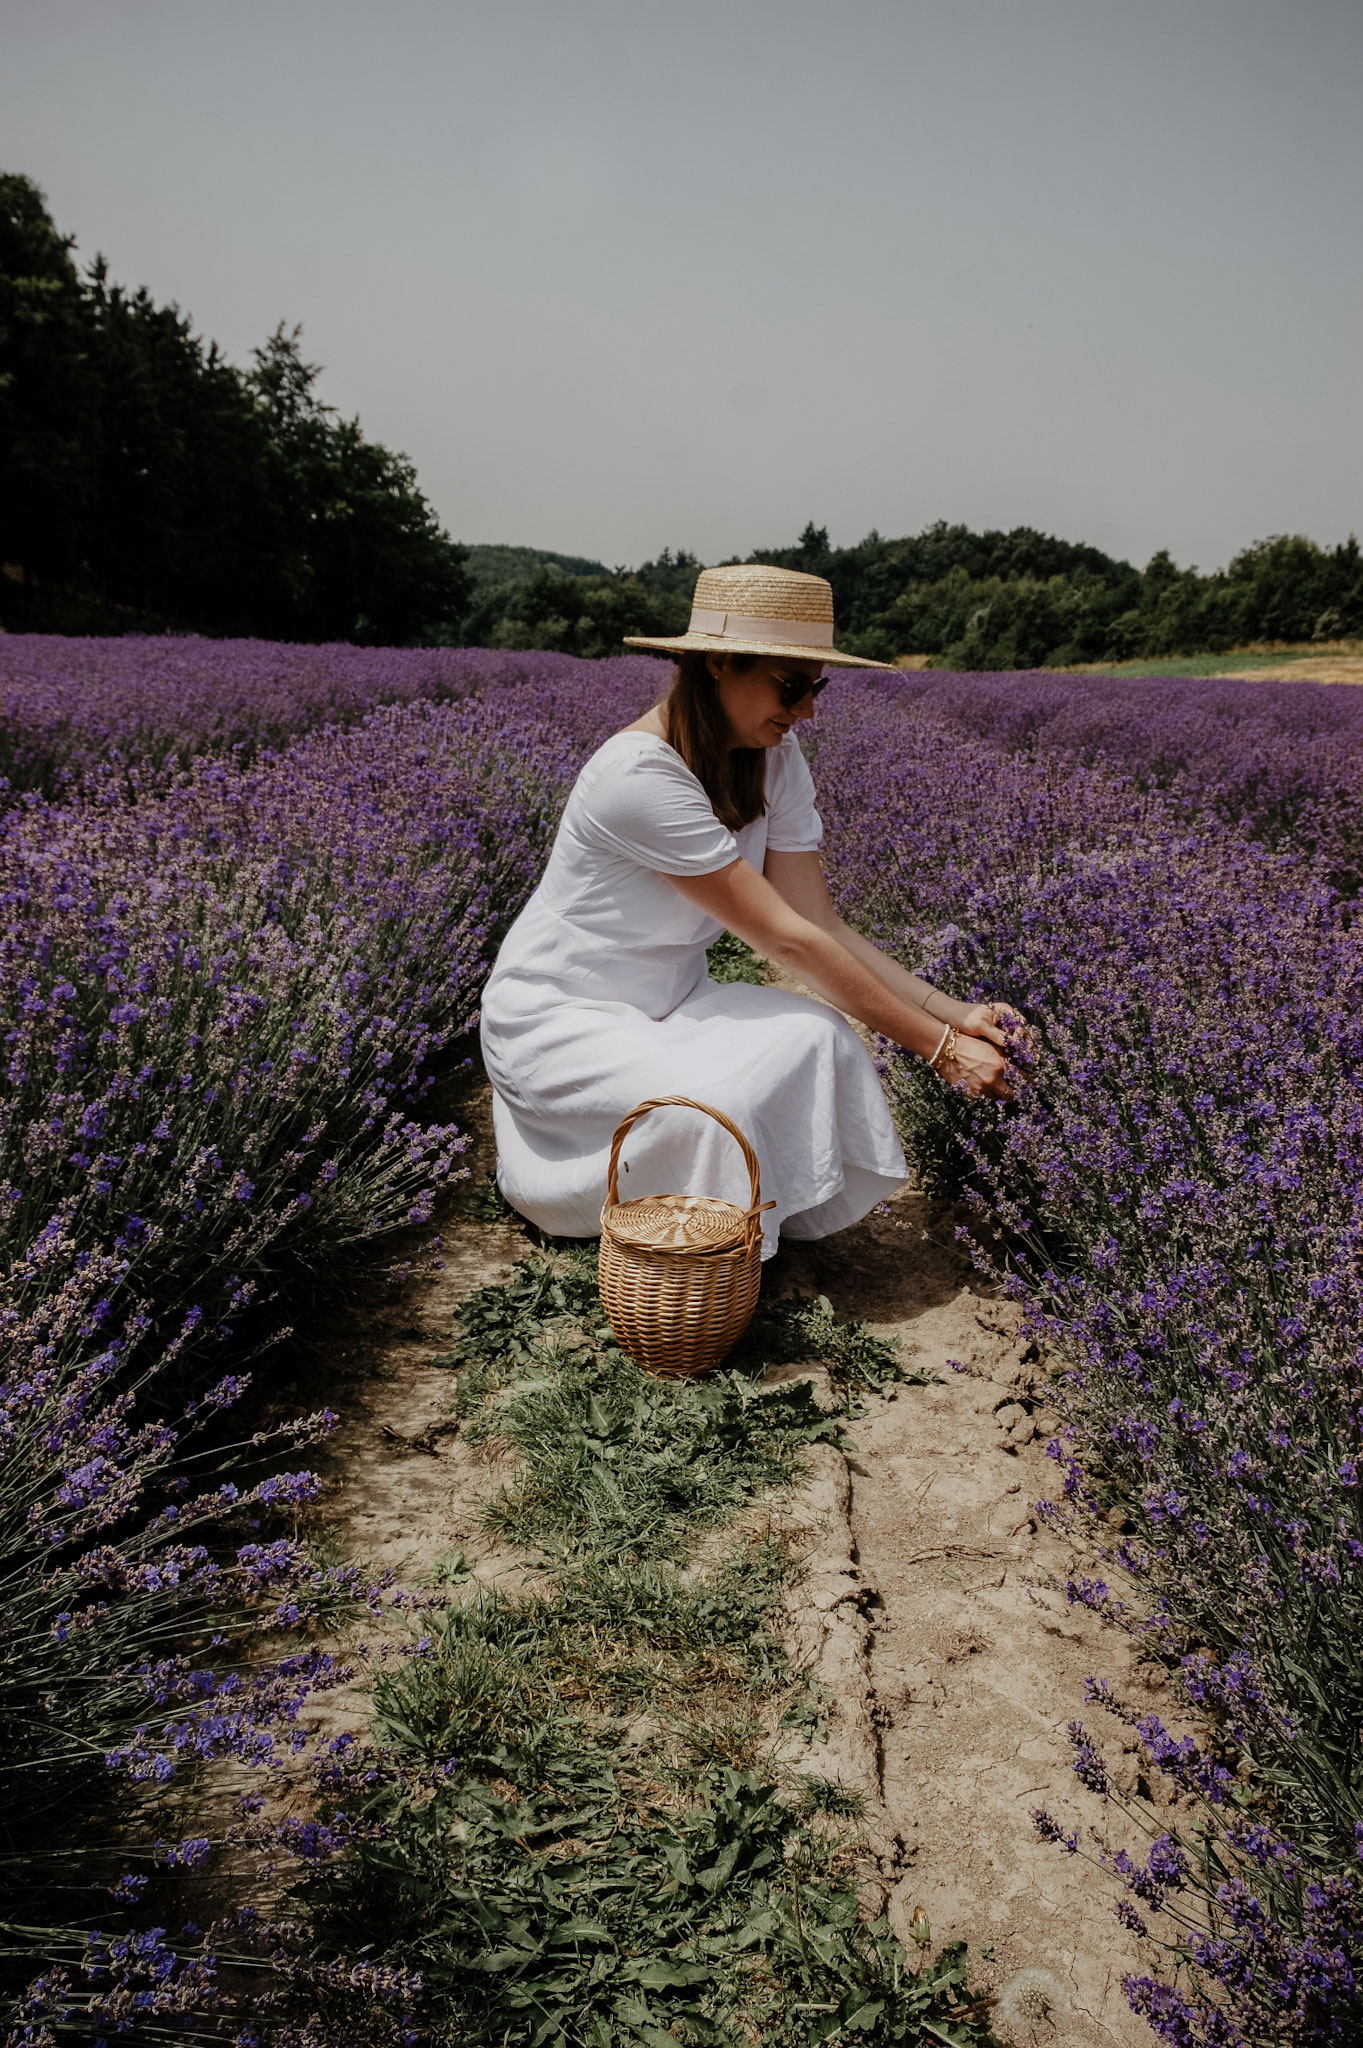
(624, 273)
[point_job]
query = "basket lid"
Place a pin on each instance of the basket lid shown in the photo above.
(676, 1223)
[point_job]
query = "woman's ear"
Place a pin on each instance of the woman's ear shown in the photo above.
(716, 663)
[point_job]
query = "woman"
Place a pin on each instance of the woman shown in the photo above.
(699, 818)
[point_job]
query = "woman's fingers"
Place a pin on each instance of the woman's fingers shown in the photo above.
(988, 1037)
(979, 1067)
(998, 1022)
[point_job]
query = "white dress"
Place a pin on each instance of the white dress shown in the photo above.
(601, 998)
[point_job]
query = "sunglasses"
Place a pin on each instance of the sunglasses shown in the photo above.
(794, 689)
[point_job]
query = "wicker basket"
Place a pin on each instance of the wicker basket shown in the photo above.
(680, 1273)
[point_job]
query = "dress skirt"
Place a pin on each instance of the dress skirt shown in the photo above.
(790, 1072)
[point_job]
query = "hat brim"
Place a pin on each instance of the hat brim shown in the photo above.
(724, 643)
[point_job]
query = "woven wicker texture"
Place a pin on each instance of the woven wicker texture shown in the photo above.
(680, 1274)
(760, 592)
(678, 1223)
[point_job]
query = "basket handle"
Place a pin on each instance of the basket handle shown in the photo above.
(756, 1206)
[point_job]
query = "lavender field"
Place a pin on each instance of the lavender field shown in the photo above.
(250, 894)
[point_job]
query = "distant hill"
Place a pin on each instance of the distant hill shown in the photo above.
(490, 566)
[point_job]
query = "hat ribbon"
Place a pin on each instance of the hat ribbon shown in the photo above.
(738, 626)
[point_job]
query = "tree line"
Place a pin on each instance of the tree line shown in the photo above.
(1020, 599)
(149, 484)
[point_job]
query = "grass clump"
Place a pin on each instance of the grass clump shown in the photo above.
(602, 1646)
(618, 1465)
(581, 1909)
(607, 1856)
(552, 1298)
(809, 1333)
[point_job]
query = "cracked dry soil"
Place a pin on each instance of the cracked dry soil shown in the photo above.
(932, 1611)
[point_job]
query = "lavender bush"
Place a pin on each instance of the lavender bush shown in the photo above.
(1257, 1943)
(224, 1000)
(154, 1630)
(1180, 1189)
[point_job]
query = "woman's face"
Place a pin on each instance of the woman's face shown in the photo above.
(753, 699)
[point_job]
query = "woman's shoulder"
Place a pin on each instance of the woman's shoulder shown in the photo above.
(636, 796)
(632, 750)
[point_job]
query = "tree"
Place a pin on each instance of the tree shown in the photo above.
(181, 528)
(47, 390)
(589, 615)
(363, 555)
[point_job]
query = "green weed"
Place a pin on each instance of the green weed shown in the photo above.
(809, 1333)
(730, 960)
(554, 1294)
(618, 1465)
(577, 1913)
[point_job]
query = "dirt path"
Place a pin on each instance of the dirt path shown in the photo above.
(930, 1613)
(973, 1660)
(401, 1487)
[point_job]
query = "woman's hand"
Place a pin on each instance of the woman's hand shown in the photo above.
(978, 1067)
(996, 1022)
(989, 1038)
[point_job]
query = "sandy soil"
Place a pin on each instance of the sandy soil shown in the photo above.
(971, 1661)
(930, 1611)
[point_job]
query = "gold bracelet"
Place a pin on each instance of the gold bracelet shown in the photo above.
(949, 1041)
(946, 1033)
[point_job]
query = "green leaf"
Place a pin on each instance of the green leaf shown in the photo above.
(661, 1975)
(495, 1959)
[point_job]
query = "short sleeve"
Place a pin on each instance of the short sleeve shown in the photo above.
(793, 824)
(650, 808)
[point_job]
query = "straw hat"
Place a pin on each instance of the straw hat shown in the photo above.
(751, 608)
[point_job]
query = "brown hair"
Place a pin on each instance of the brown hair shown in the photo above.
(734, 778)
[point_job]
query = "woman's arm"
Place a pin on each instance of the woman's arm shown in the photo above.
(748, 904)
(799, 879)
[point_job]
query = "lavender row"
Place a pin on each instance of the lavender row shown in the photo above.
(1281, 760)
(224, 1004)
(1181, 1189)
(126, 714)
